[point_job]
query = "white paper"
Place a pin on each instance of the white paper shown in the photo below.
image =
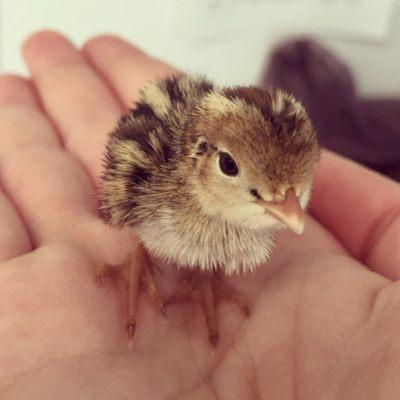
(227, 40)
(216, 20)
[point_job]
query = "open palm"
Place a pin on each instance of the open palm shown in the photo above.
(322, 326)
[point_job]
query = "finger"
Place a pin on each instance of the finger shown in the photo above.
(14, 236)
(124, 66)
(75, 97)
(47, 185)
(362, 209)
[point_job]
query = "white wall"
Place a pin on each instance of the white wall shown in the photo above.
(226, 39)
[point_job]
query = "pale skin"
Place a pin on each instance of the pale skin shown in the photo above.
(325, 311)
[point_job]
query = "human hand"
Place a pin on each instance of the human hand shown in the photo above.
(322, 326)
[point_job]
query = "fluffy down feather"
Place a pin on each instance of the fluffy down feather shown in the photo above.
(157, 167)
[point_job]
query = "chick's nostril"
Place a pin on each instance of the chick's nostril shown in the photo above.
(256, 194)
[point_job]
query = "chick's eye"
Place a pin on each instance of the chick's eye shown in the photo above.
(227, 164)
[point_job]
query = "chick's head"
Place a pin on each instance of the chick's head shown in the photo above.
(254, 154)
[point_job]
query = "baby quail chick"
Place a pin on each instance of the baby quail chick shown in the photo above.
(204, 175)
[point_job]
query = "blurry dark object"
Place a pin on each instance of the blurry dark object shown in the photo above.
(366, 130)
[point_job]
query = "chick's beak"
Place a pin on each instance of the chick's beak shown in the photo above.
(288, 211)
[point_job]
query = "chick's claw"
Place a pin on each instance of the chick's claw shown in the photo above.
(208, 290)
(131, 327)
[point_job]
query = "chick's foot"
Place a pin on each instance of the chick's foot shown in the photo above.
(208, 290)
(137, 270)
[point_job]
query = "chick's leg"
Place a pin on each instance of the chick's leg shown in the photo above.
(209, 289)
(140, 271)
(137, 270)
